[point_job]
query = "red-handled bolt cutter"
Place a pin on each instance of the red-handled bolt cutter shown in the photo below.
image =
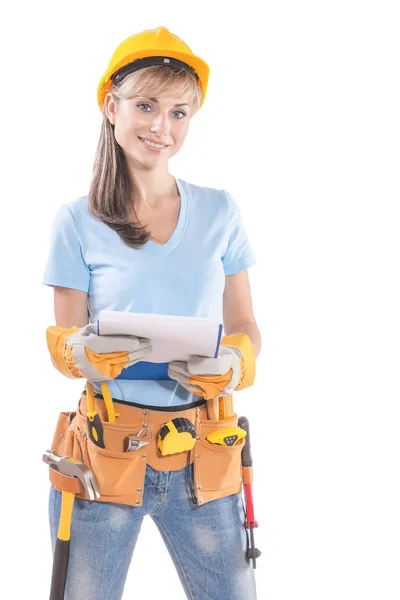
(247, 468)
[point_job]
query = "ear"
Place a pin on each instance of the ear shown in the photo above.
(110, 108)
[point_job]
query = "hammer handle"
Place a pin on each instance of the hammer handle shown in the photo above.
(60, 569)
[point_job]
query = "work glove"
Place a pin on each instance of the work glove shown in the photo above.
(83, 353)
(233, 369)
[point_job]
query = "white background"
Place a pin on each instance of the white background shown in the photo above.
(301, 125)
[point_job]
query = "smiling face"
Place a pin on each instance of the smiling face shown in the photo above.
(150, 130)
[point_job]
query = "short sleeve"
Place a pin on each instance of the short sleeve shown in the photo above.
(66, 266)
(238, 254)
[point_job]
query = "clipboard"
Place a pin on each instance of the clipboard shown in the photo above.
(173, 337)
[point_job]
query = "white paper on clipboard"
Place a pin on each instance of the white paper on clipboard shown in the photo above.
(173, 337)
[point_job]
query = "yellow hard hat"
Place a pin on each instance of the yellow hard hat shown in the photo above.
(152, 47)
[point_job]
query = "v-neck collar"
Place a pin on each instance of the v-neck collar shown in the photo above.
(156, 249)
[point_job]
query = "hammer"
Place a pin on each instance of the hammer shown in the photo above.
(78, 478)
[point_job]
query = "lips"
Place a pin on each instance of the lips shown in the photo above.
(153, 141)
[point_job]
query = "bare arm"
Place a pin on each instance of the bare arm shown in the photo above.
(238, 309)
(70, 309)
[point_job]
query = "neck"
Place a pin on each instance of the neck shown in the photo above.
(150, 186)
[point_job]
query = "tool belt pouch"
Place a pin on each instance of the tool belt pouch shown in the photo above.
(120, 475)
(217, 469)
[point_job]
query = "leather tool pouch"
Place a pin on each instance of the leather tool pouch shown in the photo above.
(120, 475)
(217, 469)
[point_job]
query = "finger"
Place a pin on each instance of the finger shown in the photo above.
(178, 366)
(138, 355)
(144, 344)
(198, 365)
(109, 343)
(88, 329)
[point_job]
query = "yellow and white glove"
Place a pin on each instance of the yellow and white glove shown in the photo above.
(233, 369)
(83, 353)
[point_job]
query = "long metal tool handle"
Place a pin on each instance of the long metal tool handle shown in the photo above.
(247, 463)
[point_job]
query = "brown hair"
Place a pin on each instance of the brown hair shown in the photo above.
(111, 197)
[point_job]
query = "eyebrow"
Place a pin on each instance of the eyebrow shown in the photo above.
(182, 104)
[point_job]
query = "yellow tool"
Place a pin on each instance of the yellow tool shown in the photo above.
(178, 435)
(74, 474)
(228, 436)
(94, 424)
(220, 407)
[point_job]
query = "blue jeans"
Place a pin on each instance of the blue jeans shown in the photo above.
(207, 543)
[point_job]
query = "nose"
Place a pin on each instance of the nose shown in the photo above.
(160, 125)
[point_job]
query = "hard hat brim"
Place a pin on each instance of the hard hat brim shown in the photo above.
(198, 64)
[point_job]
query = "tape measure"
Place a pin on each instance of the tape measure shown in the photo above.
(178, 435)
(229, 436)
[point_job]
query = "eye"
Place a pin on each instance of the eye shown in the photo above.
(179, 112)
(143, 104)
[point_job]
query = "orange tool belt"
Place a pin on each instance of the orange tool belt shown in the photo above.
(216, 473)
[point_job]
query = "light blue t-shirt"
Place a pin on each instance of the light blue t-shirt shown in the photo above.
(185, 276)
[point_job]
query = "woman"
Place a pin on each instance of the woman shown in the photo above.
(145, 241)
